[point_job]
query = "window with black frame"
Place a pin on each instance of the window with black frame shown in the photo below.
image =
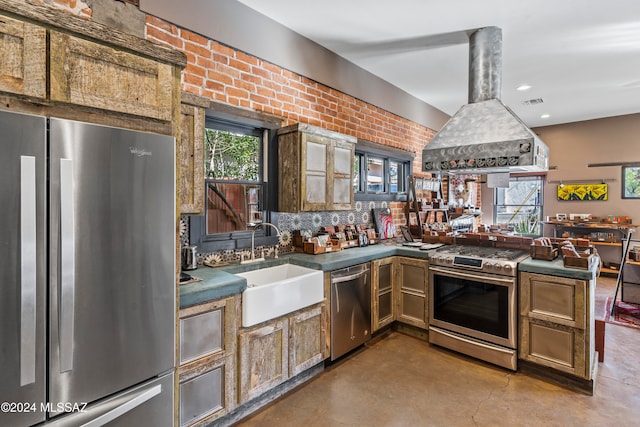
(236, 155)
(631, 182)
(380, 173)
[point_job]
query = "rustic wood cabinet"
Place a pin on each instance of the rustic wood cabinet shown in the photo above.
(316, 169)
(263, 358)
(274, 351)
(191, 153)
(307, 339)
(207, 354)
(556, 323)
(412, 291)
(60, 65)
(24, 58)
(83, 72)
(382, 292)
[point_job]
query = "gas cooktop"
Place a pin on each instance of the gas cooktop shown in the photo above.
(503, 261)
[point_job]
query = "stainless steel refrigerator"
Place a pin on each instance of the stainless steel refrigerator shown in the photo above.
(87, 262)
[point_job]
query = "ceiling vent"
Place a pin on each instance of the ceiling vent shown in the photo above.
(534, 101)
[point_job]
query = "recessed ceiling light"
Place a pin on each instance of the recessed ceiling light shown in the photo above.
(545, 116)
(523, 87)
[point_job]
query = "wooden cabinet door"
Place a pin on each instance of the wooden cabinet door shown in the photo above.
(315, 173)
(342, 188)
(263, 358)
(412, 292)
(382, 293)
(557, 346)
(206, 391)
(191, 157)
(93, 75)
(560, 300)
(306, 339)
(23, 48)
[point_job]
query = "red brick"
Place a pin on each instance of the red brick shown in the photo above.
(195, 38)
(239, 65)
(194, 80)
(163, 36)
(197, 49)
(219, 77)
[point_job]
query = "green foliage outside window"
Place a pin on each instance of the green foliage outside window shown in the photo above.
(231, 156)
(631, 182)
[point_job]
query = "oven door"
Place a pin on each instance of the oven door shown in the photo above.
(477, 305)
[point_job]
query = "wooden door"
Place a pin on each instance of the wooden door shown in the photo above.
(306, 339)
(263, 358)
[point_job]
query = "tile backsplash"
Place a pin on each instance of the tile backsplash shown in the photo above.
(287, 222)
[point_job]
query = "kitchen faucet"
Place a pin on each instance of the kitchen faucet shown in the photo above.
(253, 243)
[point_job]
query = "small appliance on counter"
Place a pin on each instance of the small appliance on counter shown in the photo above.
(189, 259)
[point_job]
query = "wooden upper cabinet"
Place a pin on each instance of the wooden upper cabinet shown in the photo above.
(86, 73)
(315, 169)
(23, 47)
(191, 153)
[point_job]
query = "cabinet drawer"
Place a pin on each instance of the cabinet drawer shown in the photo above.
(555, 299)
(556, 346)
(202, 395)
(201, 334)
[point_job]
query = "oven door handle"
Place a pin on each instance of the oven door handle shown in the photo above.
(475, 277)
(474, 342)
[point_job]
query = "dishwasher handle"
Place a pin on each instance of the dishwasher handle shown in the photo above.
(349, 277)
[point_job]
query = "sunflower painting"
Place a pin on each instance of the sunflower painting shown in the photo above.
(583, 191)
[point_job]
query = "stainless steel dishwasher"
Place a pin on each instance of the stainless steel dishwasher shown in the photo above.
(350, 308)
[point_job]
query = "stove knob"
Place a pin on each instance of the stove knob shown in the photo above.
(507, 268)
(487, 265)
(497, 266)
(448, 260)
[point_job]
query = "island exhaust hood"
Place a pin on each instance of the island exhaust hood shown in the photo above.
(485, 136)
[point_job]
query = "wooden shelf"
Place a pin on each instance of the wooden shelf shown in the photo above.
(597, 242)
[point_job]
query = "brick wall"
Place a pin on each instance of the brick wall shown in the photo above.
(233, 77)
(75, 7)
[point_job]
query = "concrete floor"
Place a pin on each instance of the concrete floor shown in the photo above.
(403, 381)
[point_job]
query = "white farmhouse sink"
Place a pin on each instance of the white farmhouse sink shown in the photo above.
(274, 291)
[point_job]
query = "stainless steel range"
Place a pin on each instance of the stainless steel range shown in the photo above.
(472, 304)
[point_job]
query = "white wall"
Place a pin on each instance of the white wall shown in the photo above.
(573, 146)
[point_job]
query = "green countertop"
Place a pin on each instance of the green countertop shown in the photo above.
(221, 282)
(557, 268)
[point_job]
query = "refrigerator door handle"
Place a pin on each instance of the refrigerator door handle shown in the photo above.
(67, 266)
(28, 276)
(118, 411)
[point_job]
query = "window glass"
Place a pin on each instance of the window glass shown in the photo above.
(233, 186)
(397, 178)
(232, 156)
(356, 173)
(375, 175)
(520, 205)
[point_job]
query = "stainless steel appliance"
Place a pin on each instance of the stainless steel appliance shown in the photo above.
(472, 301)
(87, 293)
(350, 308)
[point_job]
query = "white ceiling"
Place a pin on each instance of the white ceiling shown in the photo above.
(581, 57)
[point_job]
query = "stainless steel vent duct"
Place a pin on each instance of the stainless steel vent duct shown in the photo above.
(485, 136)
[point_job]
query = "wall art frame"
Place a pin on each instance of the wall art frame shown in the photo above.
(583, 192)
